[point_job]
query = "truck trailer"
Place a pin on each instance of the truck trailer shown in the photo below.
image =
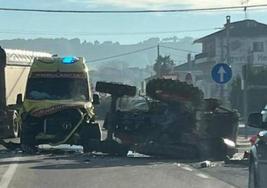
(14, 69)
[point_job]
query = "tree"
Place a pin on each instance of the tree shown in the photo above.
(256, 97)
(163, 66)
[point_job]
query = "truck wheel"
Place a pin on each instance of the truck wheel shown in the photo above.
(15, 125)
(90, 137)
(115, 89)
(14, 129)
(27, 139)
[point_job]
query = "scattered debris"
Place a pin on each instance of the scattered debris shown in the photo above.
(10, 145)
(87, 161)
(246, 155)
(205, 164)
(238, 159)
(135, 154)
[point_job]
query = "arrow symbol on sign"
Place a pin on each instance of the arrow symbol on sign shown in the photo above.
(221, 72)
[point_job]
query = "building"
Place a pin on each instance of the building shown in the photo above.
(238, 43)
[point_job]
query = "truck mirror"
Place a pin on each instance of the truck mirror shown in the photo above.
(96, 99)
(19, 99)
(263, 136)
(255, 120)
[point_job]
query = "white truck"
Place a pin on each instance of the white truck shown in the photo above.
(14, 69)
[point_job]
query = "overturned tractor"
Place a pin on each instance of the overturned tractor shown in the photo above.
(173, 120)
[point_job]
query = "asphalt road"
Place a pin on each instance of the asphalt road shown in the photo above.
(69, 168)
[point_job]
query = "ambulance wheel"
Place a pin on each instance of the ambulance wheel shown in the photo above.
(27, 139)
(90, 137)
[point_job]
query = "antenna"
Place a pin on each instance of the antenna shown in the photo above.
(245, 2)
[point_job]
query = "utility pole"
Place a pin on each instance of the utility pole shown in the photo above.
(227, 56)
(158, 52)
(246, 70)
(245, 100)
(245, 2)
(228, 22)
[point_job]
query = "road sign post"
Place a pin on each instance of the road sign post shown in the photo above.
(221, 73)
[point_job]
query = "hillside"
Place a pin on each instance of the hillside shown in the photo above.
(129, 69)
(97, 50)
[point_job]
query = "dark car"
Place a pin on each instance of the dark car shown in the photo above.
(258, 153)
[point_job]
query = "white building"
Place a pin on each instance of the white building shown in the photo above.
(237, 43)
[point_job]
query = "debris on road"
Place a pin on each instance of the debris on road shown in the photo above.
(87, 161)
(10, 145)
(238, 159)
(205, 164)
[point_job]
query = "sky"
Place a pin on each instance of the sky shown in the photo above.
(124, 28)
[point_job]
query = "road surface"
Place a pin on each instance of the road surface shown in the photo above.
(68, 167)
(59, 168)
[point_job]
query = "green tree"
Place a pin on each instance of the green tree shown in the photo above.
(164, 65)
(256, 97)
(236, 95)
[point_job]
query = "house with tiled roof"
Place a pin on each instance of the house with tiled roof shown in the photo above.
(236, 44)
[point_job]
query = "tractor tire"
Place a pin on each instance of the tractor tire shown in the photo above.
(90, 137)
(182, 90)
(115, 89)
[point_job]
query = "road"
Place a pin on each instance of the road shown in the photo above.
(68, 167)
(56, 168)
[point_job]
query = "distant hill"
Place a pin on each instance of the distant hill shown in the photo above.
(129, 69)
(97, 50)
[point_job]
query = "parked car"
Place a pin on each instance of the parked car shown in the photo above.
(258, 152)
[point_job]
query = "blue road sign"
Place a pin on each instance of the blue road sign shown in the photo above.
(221, 73)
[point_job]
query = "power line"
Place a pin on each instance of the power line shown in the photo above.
(177, 49)
(132, 11)
(137, 51)
(104, 33)
(120, 55)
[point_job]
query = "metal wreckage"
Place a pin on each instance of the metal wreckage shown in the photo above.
(172, 120)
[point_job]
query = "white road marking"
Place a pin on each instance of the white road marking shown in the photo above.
(187, 168)
(202, 175)
(8, 175)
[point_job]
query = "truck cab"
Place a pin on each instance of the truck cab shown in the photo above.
(58, 104)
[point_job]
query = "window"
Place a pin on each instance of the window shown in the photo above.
(57, 89)
(258, 47)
